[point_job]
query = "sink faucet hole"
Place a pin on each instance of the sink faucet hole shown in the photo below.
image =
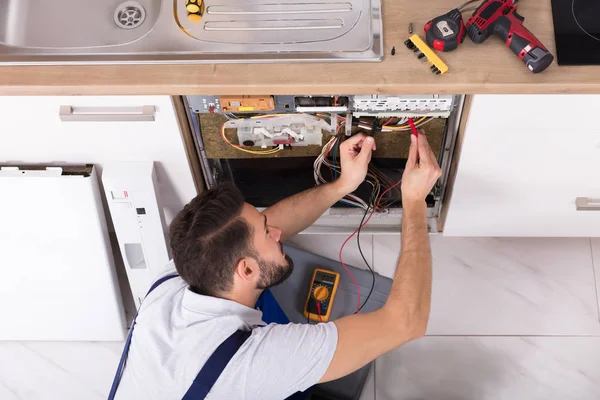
(129, 15)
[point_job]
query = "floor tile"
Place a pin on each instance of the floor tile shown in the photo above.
(596, 256)
(491, 368)
(329, 246)
(57, 370)
(368, 392)
(508, 286)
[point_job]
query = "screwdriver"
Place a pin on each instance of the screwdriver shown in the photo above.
(414, 130)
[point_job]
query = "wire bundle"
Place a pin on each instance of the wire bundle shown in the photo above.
(377, 179)
(400, 125)
(335, 168)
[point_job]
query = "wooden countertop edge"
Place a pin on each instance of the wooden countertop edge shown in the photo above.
(355, 88)
(474, 69)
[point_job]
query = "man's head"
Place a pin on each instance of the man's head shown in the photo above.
(221, 244)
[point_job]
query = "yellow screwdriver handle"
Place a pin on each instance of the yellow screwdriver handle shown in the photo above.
(195, 9)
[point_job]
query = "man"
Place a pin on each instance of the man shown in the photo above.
(227, 253)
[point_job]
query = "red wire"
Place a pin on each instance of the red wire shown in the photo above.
(416, 133)
(319, 310)
(355, 232)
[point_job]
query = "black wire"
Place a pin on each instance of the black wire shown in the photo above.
(365, 259)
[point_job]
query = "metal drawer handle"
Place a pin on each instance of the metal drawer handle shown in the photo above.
(587, 204)
(106, 114)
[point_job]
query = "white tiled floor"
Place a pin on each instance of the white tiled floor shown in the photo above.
(524, 288)
(57, 370)
(508, 286)
(491, 368)
(596, 255)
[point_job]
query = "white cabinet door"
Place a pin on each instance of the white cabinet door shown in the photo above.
(31, 131)
(525, 161)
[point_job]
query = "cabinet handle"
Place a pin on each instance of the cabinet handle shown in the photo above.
(106, 114)
(587, 204)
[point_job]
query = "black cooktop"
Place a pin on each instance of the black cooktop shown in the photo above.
(577, 31)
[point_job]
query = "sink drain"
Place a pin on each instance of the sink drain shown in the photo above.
(129, 15)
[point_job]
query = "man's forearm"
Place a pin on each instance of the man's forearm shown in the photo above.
(410, 296)
(364, 337)
(298, 212)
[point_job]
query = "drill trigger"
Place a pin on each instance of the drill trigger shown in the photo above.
(518, 16)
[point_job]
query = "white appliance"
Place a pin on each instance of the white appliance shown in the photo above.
(58, 279)
(130, 189)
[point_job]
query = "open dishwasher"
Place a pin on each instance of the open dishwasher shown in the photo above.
(272, 147)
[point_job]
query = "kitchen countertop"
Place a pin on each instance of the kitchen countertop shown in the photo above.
(487, 68)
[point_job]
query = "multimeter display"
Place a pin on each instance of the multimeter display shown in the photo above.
(325, 278)
(322, 292)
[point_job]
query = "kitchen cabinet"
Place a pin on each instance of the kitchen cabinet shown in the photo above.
(33, 131)
(529, 166)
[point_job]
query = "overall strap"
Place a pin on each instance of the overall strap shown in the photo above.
(121, 367)
(215, 365)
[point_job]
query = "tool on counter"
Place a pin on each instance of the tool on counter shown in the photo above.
(195, 9)
(323, 286)
(410, 28)
(394, 51)
(446, 32)
(500, 17)
(423, 52)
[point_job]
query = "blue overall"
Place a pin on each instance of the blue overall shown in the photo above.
(217, 362)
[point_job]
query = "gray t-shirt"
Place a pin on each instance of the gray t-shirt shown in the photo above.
(177, 330)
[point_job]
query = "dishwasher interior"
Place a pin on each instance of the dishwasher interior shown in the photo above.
(272, 147)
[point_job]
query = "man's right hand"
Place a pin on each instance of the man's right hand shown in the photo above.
(422, 171)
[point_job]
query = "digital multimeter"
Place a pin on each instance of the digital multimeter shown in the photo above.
(323, 287)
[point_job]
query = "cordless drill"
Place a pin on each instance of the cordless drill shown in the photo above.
(501, 17)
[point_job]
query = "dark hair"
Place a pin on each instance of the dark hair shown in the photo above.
(208, 238)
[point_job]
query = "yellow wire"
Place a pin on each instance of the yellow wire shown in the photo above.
(404, 127)
(266, 152)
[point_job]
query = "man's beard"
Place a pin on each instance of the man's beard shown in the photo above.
(272, 273)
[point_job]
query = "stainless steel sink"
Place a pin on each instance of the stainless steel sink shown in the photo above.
(76, 24)
(160, 31)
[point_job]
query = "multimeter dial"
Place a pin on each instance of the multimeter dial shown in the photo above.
(320, 293)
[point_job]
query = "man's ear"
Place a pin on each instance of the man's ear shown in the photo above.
(247, 269)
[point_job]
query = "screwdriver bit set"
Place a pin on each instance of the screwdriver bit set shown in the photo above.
(424, 53)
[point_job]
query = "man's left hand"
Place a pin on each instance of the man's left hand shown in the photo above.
(355, 156)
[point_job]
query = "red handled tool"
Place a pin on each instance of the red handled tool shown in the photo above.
(413, 128)
(500, 17)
